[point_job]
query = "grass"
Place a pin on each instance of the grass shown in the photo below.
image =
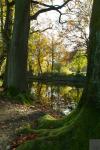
(72, 133)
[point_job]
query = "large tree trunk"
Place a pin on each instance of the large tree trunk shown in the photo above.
(91, 93)
(17, 59)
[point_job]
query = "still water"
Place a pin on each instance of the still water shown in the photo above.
(59, 98)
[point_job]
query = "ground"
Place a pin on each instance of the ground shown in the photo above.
(13, 117)
(78, 128)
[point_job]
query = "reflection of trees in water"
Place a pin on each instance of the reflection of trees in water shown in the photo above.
(56, 97)
(38, 91)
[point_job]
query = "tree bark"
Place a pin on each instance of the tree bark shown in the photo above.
(7, 34)
(17, 59)
(91, 93)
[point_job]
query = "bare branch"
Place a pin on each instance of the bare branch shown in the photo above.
(50, 7)
(60, 15)
(40, 31)
(39, 3)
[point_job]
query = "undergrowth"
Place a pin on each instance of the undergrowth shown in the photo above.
(15, 95)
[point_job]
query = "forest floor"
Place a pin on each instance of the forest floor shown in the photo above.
(13, 117)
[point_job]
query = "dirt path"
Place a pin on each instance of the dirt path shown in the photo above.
(12, 117)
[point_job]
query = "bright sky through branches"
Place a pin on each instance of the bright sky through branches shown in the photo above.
(52, 19)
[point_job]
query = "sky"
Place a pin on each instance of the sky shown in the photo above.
(51, 18)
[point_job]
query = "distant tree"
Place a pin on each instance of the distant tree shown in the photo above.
(75, 29)
(79, 62)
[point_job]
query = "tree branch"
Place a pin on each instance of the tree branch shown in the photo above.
(50, 7)
(11, 3)
(39, 3)
(40, 31)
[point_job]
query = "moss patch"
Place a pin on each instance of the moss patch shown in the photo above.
(74, 133)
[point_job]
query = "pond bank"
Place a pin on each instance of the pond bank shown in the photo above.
(57, 79)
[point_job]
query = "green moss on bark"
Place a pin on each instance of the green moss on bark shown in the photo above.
(72, 136)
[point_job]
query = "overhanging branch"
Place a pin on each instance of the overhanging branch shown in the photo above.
(49, 8)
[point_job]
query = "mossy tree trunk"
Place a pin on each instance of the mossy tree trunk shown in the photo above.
(17, 59)
(91, 93)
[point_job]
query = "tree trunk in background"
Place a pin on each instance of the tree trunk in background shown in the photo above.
(17, 59)
(91, 93)
(7, 34)
(39, 62)
(8, 25)
(52, 56)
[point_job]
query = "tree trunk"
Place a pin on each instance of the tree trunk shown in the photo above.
(39, 62)
(52, 55)
(17, 59)
(91, 93)
(7, 34)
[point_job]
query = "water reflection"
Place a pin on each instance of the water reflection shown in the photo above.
(59, 98)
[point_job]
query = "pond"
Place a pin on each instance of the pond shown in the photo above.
(59, 98)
